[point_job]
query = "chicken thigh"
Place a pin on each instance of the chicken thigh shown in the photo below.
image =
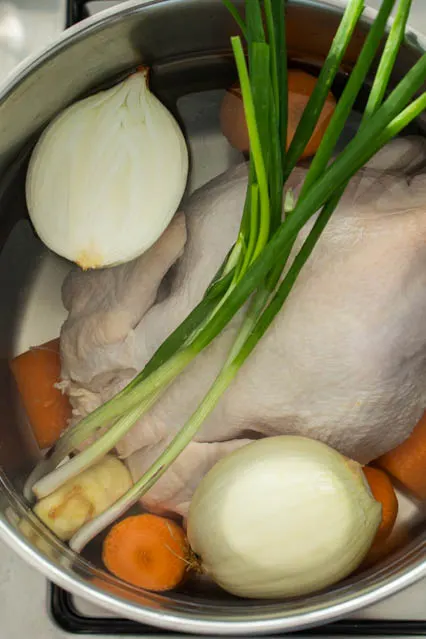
(344, 362)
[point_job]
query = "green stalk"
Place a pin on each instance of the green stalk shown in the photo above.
(238, 19)
(254, 21)
(256, 307)
(324, 83)
(400, 122)
(245, 219)
(388, 59)
(231, 262)
(255, 145)
(276, 183)
(273, 94)
(387, 62)
(259, 70)
(258, 51)
(279, 23)
(348, 97)
(315, 105)
(254, 224)
(273, 44)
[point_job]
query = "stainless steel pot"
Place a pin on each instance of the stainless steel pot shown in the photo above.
(187, 42)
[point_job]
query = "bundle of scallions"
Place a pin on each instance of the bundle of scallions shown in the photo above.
(253, 270)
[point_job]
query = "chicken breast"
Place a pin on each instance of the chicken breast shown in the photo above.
(344, 362)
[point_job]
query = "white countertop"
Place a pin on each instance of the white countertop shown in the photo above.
(23, 591)
(23, 610)
(18, 37)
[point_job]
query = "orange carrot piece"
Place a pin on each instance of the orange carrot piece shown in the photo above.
(36, 372)
(407, 462)
(147, 551)
(383, 492)
(300, 88)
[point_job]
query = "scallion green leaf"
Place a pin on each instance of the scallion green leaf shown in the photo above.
(350, 93)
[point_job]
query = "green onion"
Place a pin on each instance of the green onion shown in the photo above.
(280, 43)
(255, 140)
(382, 77)
(272, 35)
(388, 59)
(347, 100)
(255, 31)
(238, 19)
(324, 83)
(315, 105)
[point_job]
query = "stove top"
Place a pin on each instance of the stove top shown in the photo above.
(403, 615)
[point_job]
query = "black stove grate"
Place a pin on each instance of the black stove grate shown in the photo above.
(66, 616)
(75, 11)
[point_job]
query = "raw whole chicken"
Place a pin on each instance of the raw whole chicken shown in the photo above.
(344, 362)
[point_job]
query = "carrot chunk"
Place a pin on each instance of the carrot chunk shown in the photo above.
(300, 89)
(147, 551)
(36, 372)
(383, 492)
(407, 462)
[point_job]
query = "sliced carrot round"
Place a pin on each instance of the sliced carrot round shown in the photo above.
(147, 551)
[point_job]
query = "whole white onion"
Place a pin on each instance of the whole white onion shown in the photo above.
(107, 175)
(283, 516)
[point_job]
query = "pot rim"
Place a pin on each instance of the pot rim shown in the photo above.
(182, 622)
(74, 33)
